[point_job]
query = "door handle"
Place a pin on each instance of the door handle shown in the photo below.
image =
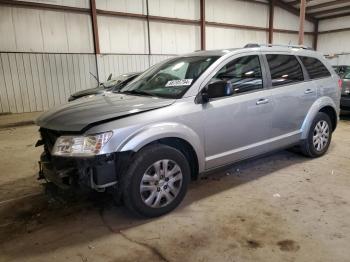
(262, 101)
(308, 91)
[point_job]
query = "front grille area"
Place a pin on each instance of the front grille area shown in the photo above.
(49, 138)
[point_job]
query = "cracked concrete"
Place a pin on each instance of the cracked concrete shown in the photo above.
(152, 249)
(281, 207)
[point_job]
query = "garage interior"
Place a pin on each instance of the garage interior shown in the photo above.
(278, 207)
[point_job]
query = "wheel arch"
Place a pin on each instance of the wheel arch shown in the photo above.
(330, 111)
(323, 104)
(175, 135)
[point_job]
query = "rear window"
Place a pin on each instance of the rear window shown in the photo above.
(346, 74)
(285, 69)
(343, 71)
(314, 67)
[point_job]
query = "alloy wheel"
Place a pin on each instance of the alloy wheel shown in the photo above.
(161, 183)
(321, 135)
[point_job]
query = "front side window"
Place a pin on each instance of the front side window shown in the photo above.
(284, 69)
(243, 73)
(314, 67)
(170, 79)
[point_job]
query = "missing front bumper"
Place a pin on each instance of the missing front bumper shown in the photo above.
(96, 173)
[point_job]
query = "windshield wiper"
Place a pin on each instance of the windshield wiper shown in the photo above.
(136, 92)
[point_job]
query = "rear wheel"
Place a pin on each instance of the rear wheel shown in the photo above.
(156, 181)
(319, 136)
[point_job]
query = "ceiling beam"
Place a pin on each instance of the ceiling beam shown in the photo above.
(335, 30)
(330, 11)
(297, 2)
(334, 16)
(254, 1)
(328, 4)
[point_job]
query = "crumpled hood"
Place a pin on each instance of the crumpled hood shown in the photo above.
(90, 91)
(76, 115)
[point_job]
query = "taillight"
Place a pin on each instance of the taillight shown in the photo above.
(340, 83)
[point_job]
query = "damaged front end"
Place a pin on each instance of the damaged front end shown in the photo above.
(99, 172)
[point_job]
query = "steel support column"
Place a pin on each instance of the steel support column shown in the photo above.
(202, 23)
(271, 18)
(315, 35)
(302, 21)
(94, 26)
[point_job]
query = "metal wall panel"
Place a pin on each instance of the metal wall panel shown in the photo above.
(289, 21)
(292, 39)
(332, 43)
(73, 3)
(335, 23)
(343, 59)
(154, 59)
(32, 82)
(218, 37)
(186, 9)
(167, 38)
(128, 6)
(119, 64)
(237, 12)
(122, 35)
(34, 30)
(337, 42)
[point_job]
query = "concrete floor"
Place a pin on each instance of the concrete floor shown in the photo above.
(281, 207)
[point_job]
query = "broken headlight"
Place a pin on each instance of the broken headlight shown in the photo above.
(89, 145)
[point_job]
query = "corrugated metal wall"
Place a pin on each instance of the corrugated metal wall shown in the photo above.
(239, 13)
(36, 82)
(120, 64)
(335, 42)
(35, 30)
(286, 20)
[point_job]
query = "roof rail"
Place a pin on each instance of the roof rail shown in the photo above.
(251, 45)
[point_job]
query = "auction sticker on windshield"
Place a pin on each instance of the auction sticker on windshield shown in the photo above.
(181, 82)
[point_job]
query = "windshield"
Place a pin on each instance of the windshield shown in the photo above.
(170, 79)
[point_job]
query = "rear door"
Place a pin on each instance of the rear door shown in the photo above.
(320, 77)
(292, 95)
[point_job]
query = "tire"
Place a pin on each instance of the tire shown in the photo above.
(308, 146)
(163, 196)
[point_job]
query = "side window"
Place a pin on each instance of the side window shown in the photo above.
(243, 73)
(314, 67)
(285, 69)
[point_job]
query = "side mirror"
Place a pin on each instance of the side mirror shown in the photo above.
(214, 90)
(109, 77)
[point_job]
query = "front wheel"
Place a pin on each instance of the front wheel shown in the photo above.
(319, 136)
(156, 181)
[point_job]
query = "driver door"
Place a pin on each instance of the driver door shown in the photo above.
(237, 126)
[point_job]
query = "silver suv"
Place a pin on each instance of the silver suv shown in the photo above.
(189, 115)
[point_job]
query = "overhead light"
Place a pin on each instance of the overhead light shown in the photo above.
(178, 66)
